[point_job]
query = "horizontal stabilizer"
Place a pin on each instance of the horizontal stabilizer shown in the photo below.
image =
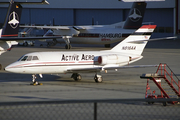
(139, 41)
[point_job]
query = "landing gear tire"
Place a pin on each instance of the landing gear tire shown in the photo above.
(98, 79)
(36, 83)
(68, 46)
(76, 77)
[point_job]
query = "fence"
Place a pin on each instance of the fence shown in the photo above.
(118, 109)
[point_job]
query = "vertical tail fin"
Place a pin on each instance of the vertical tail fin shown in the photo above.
(136, 15)
(11, 24)
(135, 43)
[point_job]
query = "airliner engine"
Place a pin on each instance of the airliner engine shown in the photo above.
(111, 59)
(4, 46)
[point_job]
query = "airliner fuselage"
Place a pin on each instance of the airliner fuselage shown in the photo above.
(97, 35)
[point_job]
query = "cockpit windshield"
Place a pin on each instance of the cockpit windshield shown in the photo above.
(24, 58)
(28, 58)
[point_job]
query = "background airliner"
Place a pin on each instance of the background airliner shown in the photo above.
(124, 53)
(9, 32)
(97, 34)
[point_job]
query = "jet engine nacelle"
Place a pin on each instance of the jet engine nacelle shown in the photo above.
(111, 59)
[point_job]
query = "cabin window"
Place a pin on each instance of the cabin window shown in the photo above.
(29, 58)
(35, 58)
(24, 58)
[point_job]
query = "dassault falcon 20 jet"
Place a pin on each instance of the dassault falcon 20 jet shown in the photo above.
(97, 34)
(75, 62)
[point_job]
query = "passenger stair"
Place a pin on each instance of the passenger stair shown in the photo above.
(166, 81)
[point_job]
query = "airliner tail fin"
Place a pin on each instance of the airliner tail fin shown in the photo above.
(136, 15)
(11, 24)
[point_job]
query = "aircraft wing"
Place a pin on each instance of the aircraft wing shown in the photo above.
(107, 67)
(27, 38)
(56, 27)
(42, 2)
(73, 70)
(48, 27)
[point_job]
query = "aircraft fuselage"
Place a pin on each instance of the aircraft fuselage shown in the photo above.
(97, 35)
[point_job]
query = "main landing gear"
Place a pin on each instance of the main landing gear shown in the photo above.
(34, 82)
(98, 78)
(67, 41)
(77, 77)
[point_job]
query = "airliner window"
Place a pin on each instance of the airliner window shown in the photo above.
(29, 58)
(24, 58)
(35, 58)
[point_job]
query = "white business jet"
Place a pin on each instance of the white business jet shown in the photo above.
(97, 34)
(124, 53)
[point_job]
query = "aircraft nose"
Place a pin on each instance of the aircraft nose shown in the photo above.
(14, 68)
(8, 68)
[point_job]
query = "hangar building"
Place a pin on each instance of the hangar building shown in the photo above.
(165, 14)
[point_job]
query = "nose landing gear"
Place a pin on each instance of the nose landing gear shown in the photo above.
(34, 82)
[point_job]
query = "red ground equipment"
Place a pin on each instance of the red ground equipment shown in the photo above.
(167, 82)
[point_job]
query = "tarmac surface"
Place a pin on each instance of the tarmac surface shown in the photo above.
(123, 84)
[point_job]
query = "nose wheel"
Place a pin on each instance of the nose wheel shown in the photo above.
(34, 82)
